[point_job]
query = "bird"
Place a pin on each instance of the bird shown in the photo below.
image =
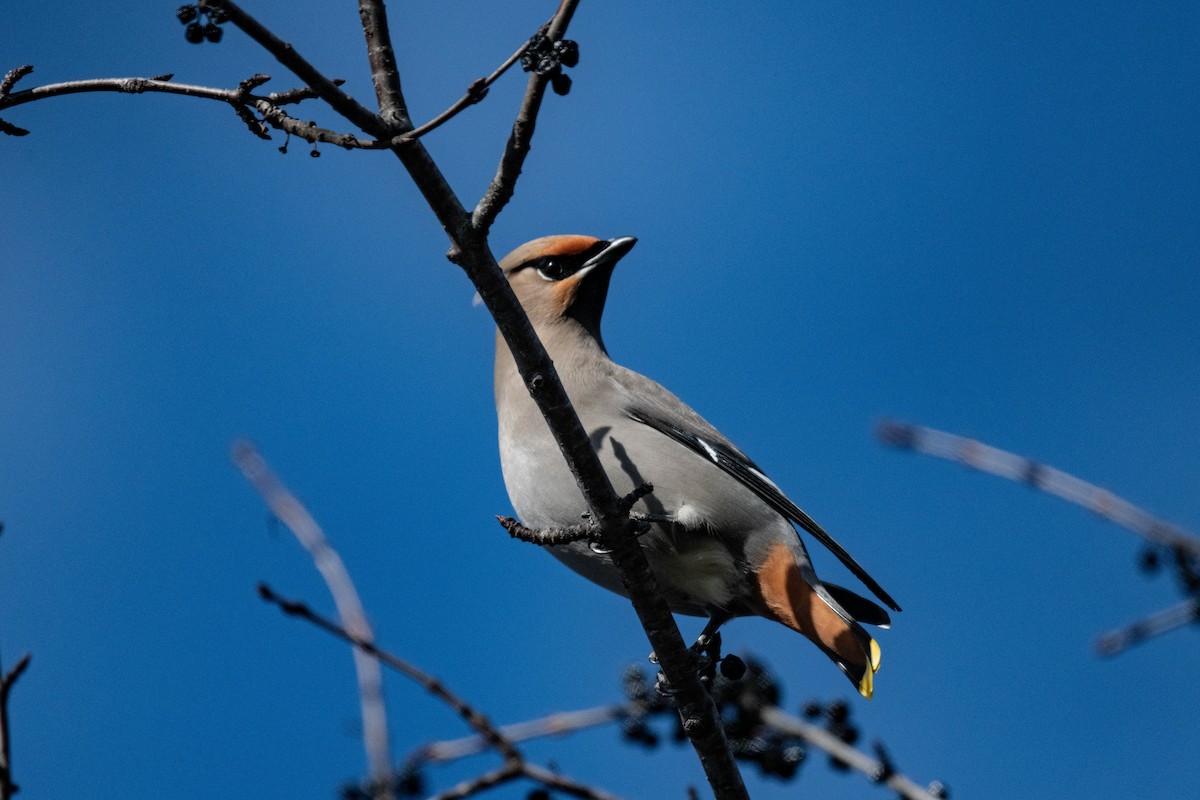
(720, 539)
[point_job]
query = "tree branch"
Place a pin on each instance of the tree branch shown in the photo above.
(7, 787)
(475, 92)
(476, 720)
(295, 516)
(384, 72)
(240, 99)
(501, 189)
(877, 770)
(324, 87)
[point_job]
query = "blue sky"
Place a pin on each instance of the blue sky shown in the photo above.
(981, 217)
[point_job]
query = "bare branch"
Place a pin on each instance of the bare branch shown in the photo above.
(501, 189)
(300, 522)
(548, 536)
(297, 95)
(239, 98)
(478, 722)
(880, 771)
(487, 780)
(475, 92)
(384, 72)
(561, 783)
(7, 787)
(324, 87)
(986, 458)
(1118, 641)
(558, 724)
(12, 76)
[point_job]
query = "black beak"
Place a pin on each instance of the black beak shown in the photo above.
(611, 254)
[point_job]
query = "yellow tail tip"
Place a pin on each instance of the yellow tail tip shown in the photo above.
(866, 686)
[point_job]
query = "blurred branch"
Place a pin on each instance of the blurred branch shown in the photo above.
(488, 736)
(1017, 468)
(1183, 545)
(478, 722)
(878, 770)
(7, 787)
(295, 516)
(1118, 641)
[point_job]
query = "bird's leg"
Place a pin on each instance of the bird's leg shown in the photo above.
(707, 647)
(706, 650)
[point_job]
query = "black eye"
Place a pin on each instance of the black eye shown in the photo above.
(555, 268)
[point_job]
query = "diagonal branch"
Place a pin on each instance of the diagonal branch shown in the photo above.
(7, 787)
(287, 55)
(501, 189)
(986, 458)
(476, 720)
(878, 770)
(475, 92)
(384, 72)
(291, 512)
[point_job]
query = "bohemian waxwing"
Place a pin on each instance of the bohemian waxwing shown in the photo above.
(721, 542)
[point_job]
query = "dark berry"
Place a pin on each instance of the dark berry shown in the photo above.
(560, 83)
(1148, 561)
(838, 711)
(733, 668)
(194, 33)
(568, 52)
(212, 33)
(812, 709)
(186, 14)
(410, 783)
(538, 794)
(218, 15)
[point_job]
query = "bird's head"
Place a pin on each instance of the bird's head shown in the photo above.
(559, 278)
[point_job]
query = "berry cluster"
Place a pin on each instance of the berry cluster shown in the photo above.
(545, 57)
(203, 22)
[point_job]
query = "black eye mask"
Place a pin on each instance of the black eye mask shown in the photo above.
(555, 268)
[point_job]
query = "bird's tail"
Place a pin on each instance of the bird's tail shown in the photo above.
(795, 597)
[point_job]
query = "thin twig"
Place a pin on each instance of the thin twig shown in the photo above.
(875, 769)
(501, 189)
(300, 522)
(7, 787)
(1118, 641)
(272, 113)
(487, 780)
(475, 92)
(559, 724)
(287, 55)
(548, 536)
(561, 783)
(478, 721)
(986, 458)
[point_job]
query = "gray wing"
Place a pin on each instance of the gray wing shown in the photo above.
(729, 459)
